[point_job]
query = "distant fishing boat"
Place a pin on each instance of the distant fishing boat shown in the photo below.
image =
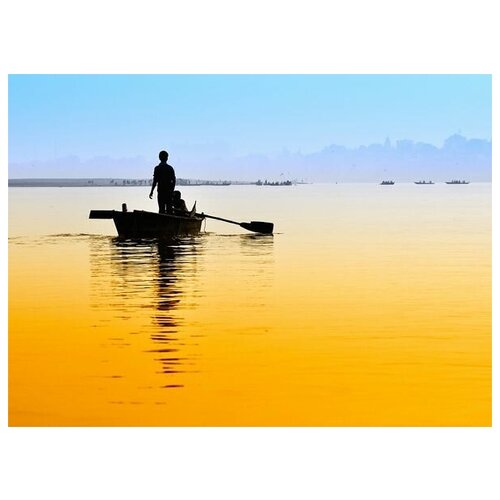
(142, 224)
(266, 183)
(387, 183)
(424, 182)
(457, 182)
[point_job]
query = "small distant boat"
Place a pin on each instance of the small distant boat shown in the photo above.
(266, 183)
(424, 182)
(387, 183)
(142, 224)
(457, 182)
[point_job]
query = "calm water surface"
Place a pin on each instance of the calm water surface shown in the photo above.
(371, 305)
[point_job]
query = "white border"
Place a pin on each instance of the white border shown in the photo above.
(244, 37)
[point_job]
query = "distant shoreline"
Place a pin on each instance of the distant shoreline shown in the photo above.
(112, 182)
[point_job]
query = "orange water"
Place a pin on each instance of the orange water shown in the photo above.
(371, 305)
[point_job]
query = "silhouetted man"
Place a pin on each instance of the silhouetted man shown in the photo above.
(164, 177)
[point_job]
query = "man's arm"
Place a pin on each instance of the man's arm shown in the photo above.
(155, 181)
(173, 180)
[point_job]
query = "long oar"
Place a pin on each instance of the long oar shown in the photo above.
(255, 226)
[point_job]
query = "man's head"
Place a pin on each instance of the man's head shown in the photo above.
(163, 156)
(177, 195)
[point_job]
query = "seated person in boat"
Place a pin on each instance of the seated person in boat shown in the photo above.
(179, 204)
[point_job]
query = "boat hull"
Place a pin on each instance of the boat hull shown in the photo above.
(142, 224)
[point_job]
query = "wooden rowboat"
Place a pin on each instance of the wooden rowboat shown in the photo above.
(142, 224)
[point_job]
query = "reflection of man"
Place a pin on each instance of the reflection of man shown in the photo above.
(164, 177)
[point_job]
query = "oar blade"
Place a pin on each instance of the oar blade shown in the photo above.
(258, 227)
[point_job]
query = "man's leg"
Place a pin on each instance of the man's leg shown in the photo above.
(161, 203)
(169, 199)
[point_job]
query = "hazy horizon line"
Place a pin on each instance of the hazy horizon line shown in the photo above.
(388, 143)
(458, 156)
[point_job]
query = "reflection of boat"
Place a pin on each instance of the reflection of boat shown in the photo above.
(152, 281)
(424, 182)
(387, 183)
(142, 224)
(457, 182)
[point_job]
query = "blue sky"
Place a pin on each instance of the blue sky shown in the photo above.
(121, 116)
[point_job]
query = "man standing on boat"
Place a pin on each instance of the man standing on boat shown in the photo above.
(164, 177)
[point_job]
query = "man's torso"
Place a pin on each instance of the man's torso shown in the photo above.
(164, 175)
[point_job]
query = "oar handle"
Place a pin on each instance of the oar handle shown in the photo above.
(254, 226)
(218, 218)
